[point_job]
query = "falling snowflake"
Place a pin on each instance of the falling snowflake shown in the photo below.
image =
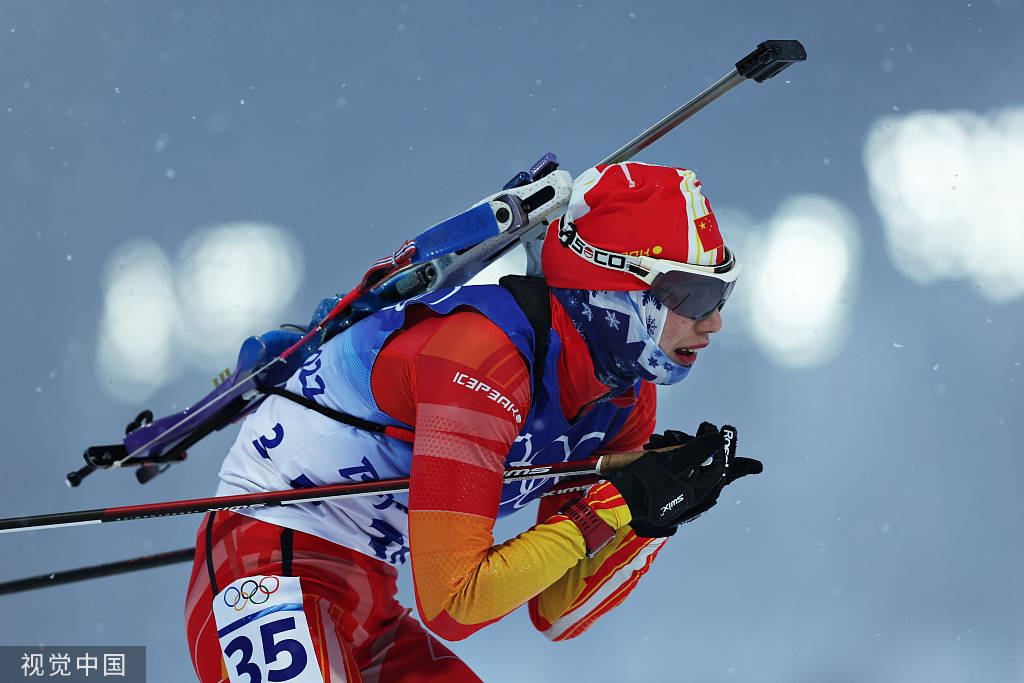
(612, 321)
(587, 313)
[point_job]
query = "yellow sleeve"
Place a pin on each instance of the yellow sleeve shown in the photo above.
(594, 586)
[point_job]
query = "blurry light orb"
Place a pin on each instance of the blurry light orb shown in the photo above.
(801, 280)
(233, 280)
(947, 187)
(139, 317)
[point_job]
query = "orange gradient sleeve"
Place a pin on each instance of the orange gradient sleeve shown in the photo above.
(466, 388)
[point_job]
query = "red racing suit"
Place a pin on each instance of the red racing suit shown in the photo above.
(463, 580)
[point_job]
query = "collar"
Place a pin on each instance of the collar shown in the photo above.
(578, 386)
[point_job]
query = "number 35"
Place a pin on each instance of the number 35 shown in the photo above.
(271, 649)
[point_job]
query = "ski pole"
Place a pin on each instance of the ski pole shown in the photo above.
(291, 496)
(97, 571)
(768, 59)
(577, 484)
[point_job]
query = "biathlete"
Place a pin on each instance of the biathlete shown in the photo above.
(475, 379)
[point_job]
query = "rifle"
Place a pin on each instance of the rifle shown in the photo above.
(447, 254)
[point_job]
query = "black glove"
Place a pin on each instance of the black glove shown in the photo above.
(734, 467)
(667, 488)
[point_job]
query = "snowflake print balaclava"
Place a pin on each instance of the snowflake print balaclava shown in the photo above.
(622, 330)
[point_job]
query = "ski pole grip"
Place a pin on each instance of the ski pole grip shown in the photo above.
(616, 461)
(769, 58)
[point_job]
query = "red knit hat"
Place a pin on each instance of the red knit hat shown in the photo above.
(634, 209)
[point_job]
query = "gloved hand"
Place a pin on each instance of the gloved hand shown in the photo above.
(664, 489)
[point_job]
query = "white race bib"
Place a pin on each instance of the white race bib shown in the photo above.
(263, 631)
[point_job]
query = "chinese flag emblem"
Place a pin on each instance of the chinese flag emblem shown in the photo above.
(707, 233)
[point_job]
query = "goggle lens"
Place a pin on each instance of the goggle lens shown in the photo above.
(691, 295)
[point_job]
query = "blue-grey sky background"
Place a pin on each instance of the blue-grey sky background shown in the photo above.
(880, 382)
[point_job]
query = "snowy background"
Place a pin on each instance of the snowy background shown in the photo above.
(177, 176)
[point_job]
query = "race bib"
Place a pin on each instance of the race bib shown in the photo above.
(263, 631)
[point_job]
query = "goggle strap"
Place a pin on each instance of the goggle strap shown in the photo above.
(568, 237)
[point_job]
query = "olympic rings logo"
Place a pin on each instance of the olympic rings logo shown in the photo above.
(250, 591)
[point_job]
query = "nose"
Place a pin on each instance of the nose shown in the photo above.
(711, 324)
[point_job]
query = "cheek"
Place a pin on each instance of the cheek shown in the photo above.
(676, 327)
(665, 344)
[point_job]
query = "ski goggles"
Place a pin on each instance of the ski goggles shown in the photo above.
(690, 290)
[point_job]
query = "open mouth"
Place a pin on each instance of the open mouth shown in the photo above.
(686, 356)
